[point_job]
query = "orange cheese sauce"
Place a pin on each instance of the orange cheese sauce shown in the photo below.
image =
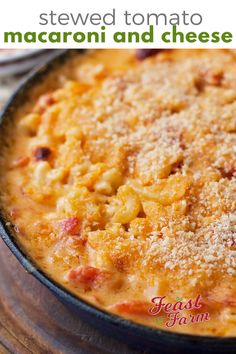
(118, 176)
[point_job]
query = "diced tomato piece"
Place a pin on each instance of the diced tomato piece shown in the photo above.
(139, 308)
(42, 153)
(71, 226)
(22, 161)
(44, 102)
(88, 277)
(86, 274)
(142, 54)
(228, 173)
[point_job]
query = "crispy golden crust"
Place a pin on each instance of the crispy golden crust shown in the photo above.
(121, 182)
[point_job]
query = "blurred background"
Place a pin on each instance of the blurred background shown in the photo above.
(15, 64)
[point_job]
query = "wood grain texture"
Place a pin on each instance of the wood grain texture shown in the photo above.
(32, 320)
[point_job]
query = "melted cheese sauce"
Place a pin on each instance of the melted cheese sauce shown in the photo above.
(120, 182)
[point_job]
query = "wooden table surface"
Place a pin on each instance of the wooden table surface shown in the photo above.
(32, 320)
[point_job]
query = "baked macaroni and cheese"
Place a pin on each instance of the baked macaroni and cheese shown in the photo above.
(118, 176)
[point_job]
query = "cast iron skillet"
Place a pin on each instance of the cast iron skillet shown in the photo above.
(135, 335)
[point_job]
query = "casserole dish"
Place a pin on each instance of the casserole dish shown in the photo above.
(146, 338)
